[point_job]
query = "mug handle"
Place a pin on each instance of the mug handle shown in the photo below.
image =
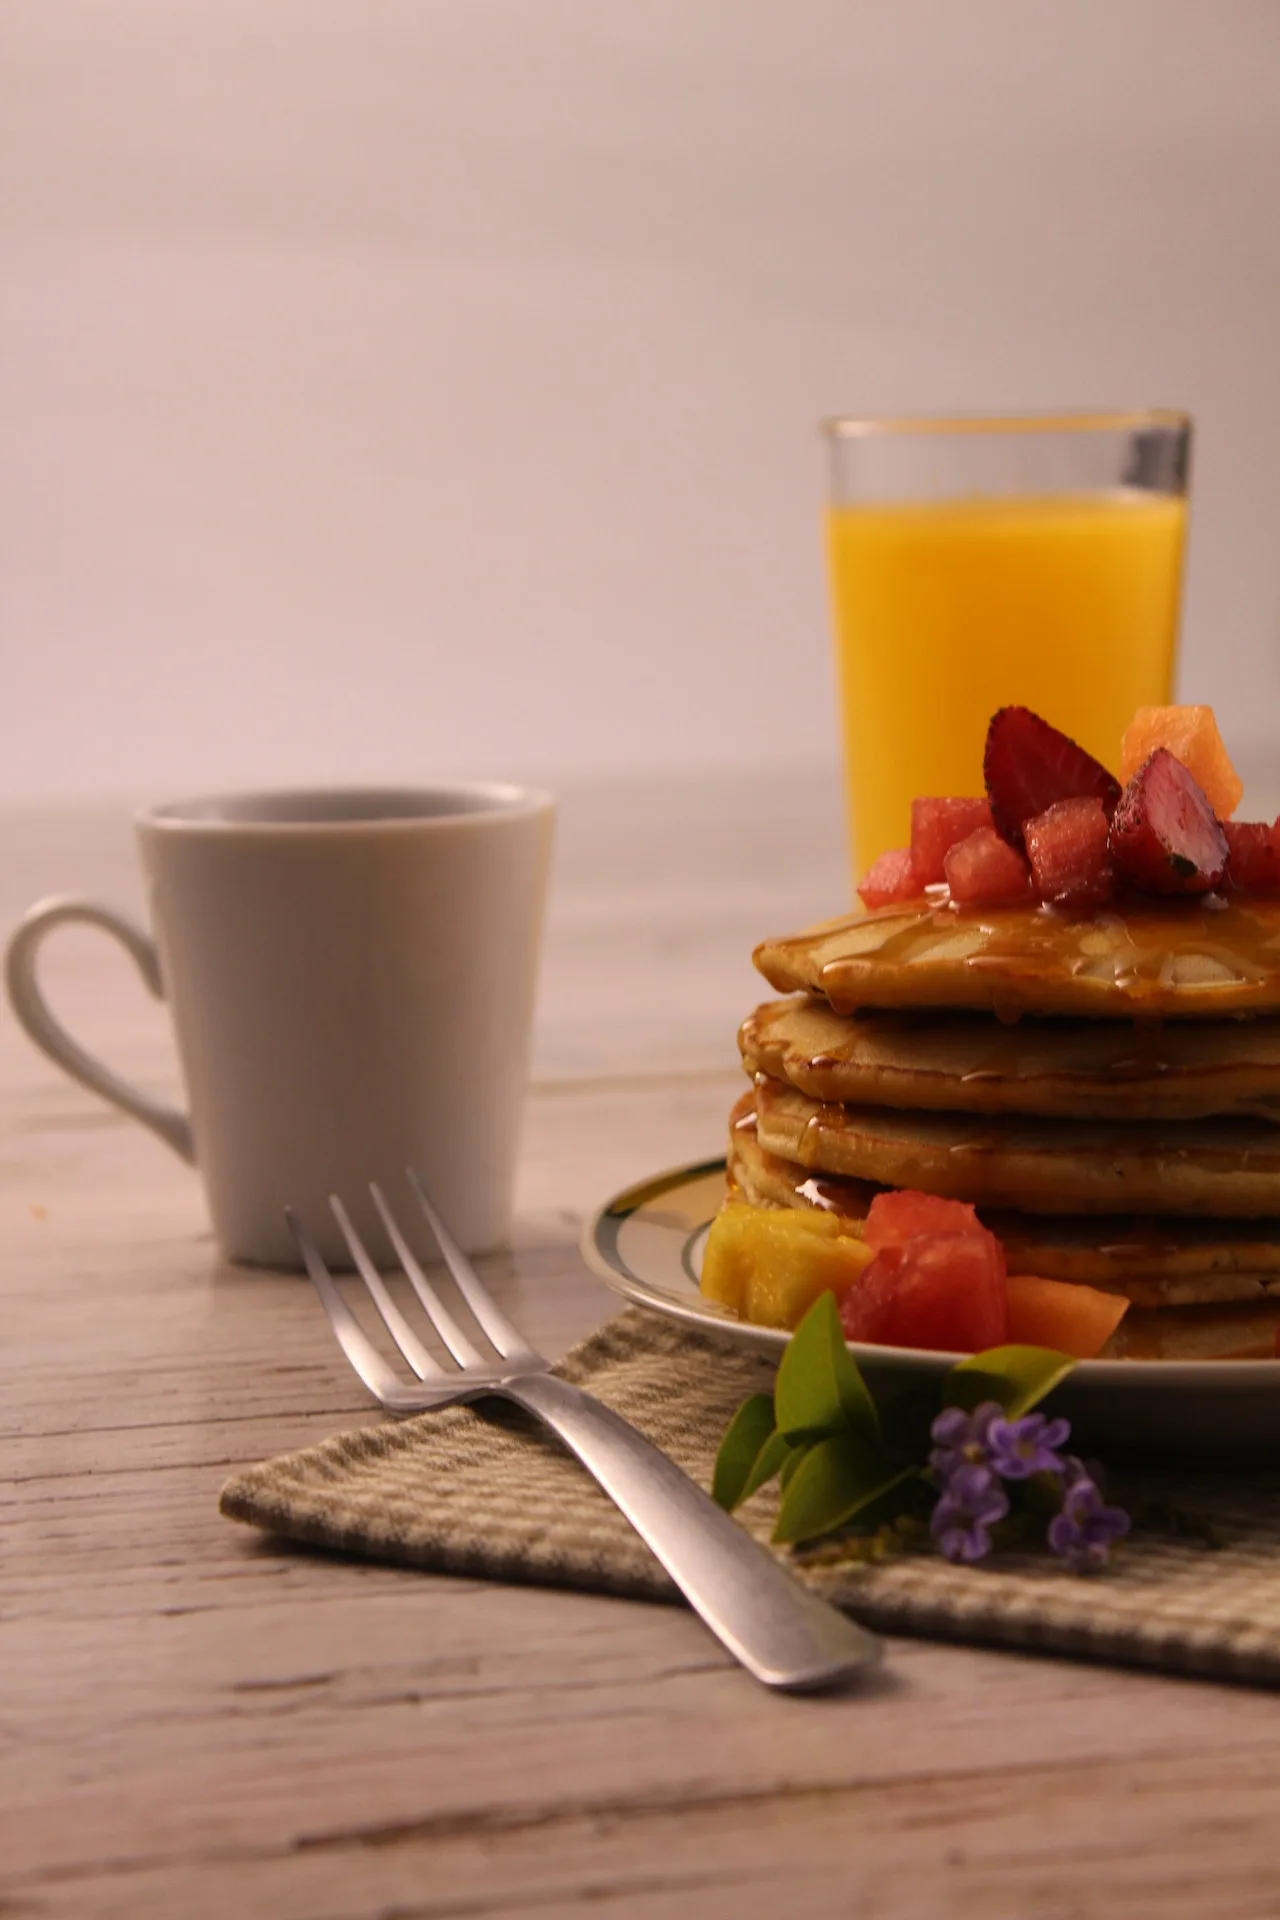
(36, 1019)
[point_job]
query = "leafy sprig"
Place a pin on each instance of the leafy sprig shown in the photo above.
(970, 1455)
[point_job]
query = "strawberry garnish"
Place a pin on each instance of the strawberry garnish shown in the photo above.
(1164, 835)
(1067, 848)
(1253, 847)
(1028, 766)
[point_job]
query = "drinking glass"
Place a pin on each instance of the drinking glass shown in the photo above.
(979, 563)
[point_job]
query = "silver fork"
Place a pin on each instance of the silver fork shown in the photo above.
(783, 1634)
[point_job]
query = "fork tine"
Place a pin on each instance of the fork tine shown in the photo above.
(433, 1306)
(359, 1349)
(510, 1343)
(423, 1363)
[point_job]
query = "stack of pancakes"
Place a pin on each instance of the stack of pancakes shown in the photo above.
(1104, 1088)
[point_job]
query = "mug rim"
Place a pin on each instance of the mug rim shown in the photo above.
(219, 815)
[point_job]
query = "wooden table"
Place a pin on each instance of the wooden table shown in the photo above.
(195, 1722)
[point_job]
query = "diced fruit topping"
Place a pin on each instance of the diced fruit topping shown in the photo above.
(900, 1213)
(1164, 837)
(1056, 826)
(1070, 1318)
(941, 1291)
(769, 1266)
(890, 878)
(936, 826)
(1253, 862)
(1067, 847)
(1028, 765)
(1191, 735)
(985, 871)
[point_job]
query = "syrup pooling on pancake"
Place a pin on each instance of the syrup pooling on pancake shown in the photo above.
(970, 1063)
(1176, 959)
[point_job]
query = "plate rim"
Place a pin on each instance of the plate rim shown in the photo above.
(1154, 1375)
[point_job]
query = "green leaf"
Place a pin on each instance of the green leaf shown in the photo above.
(819, 1389)
(836, 1478)
(1016, 1378)
(747, 1434)
(795, 1454)
(774, 1456)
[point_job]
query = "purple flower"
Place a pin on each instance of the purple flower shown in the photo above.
(971, 1503)
(1019, 1448)
(960, 1439)
(1084, 1531)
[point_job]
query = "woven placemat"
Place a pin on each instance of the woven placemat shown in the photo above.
(487, 1492)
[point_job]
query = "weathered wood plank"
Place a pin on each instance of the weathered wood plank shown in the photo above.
(195, 1722)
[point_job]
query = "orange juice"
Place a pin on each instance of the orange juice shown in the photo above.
(946, 610)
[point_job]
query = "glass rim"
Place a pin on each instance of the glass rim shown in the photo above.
(837, 427)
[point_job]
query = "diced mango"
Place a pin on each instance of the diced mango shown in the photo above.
(1191, 735)
(1069, 1318)
(768, 1265)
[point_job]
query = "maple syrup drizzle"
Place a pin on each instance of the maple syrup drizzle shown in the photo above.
(1018, 944)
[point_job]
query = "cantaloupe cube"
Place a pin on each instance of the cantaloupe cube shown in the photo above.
(1191, 735)
(1059, 1314)
(768, 1265)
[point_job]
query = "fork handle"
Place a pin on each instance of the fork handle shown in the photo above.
(783, 1634)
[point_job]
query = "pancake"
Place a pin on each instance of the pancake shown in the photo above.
(1196, 1333)
(969, 1063)
(1228, 1169)
(1166, 959)
(1152, 1261)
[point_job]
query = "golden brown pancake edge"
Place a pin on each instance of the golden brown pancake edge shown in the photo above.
(1155, 1262)
(1229, 1169)
(1169, 959)
(970, 1063)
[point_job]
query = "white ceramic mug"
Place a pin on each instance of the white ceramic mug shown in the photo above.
(351, 975)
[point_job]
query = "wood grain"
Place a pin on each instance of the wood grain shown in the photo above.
(197, 1723)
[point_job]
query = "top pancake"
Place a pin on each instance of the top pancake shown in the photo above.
(1170, 959)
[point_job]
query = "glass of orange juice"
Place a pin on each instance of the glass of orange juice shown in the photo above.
(979, 563)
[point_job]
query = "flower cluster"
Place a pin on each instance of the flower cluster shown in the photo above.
(977, 1455)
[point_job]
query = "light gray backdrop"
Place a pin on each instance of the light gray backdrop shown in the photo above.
(391, 388)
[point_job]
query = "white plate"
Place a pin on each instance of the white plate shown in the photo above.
(647, 1244)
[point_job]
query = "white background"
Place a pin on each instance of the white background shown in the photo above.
(391, 388)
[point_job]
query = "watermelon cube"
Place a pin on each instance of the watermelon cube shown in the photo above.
(889, 879)
(985, 871)
(940, 1291)
(901, 1214)
(936, 825)
(1253, 855)
(1067, 847)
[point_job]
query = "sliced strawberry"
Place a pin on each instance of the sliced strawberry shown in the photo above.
(936, 826)
(985, 871)
(944, 1291)
(1191, 735)
(1164, 837)
(891, 877)
(901, 1213)
(1254, 863)
(1067, 848)
(1028, 765)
